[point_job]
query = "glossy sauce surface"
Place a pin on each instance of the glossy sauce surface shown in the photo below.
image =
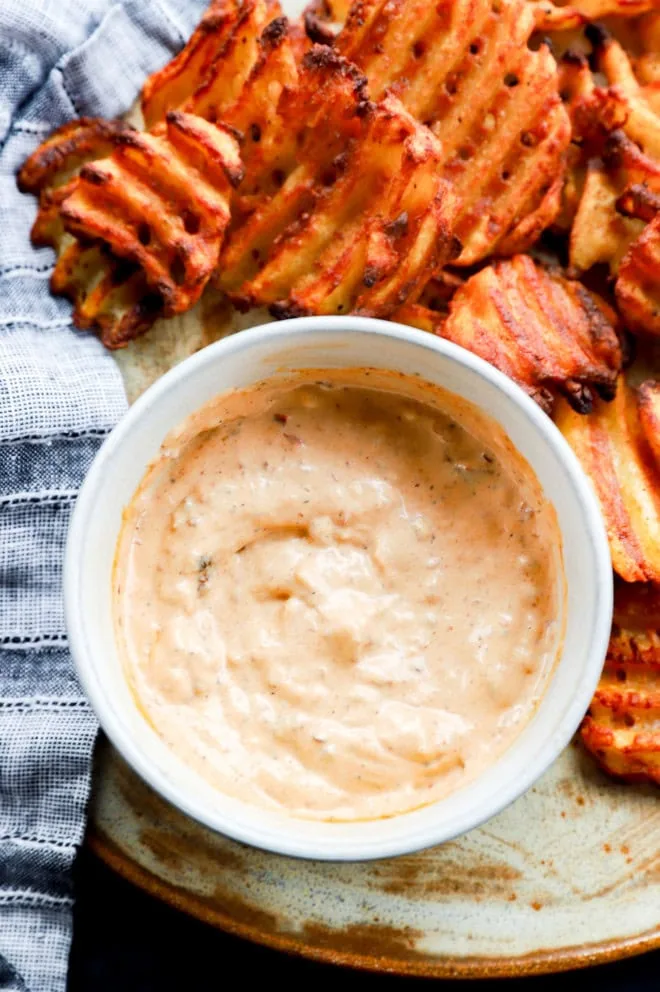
(340, 595)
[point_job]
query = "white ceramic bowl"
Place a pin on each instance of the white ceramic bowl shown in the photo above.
(331, 342)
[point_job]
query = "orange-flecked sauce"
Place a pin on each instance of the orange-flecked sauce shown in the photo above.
(340, 594)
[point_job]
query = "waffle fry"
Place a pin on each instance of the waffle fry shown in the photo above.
(561, 16)
(638, 283)
(615, 444)
(465, 69)
(109, 295)
(171, 86)
(161, 201)
(91, 275)
(360, 219)
(621, 727)
(547, 332)
(617, 194)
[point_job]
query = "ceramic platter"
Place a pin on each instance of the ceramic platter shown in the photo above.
(567, 876)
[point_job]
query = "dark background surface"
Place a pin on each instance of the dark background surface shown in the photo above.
(126, 941)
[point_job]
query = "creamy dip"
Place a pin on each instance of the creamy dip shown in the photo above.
(340, 595)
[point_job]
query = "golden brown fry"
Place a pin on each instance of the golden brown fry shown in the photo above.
(634, 160)
(106, 294)
(50, 172)
(270, 69)
(546, 332)
(259, 114)
(638, 282)
(361, 216)
(222, 84)
(420, 316)
(564, 14)
(161, 201)
(594, 114)
(465, 69)
(616, 449)
(111, 296)
(208, 75)
(642, 123)
(600, 233)
(172, 85)
(647, 58)
(621, 729)
(65, 151)
(430, 311)
(605, 229)
(648, 401)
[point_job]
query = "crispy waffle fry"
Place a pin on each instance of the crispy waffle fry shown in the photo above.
(619, 152)
(161, 201)
(615, 444)
(646, 40)
(562, 15)
(548, 333)
(360, 218)
(66, 150)
(465, 69)
(642, 124)
(209, 73)
(638, 282)
(621, 727)
(171, 86)
(50, 171)
(108, 294)
(127, 311)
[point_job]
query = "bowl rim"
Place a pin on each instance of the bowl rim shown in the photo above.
(269, 335)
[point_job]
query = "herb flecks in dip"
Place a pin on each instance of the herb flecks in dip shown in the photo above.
(339, 594)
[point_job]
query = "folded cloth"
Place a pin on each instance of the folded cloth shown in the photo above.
(60, 394)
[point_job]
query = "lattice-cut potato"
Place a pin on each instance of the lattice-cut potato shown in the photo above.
(618, 131)
(170, 87)
(646, 61)
(637, 286)
(123, 312)
(548, 333)
(111, 296)
(215, 63)
(622, 726)
(161, 201)
(260, 116)
(465, 69)
(51, 170)
(565, 14)
(600, 233)
(108, 295)
(362, 216)
(615, 444)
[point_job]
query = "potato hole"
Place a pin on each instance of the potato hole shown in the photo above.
(178, 271)
(191, 222)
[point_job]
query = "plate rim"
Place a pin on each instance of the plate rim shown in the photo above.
(535, 963)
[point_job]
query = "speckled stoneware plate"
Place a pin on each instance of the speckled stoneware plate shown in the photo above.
(567, 876)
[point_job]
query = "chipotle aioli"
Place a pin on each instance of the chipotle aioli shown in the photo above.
(340, 595)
